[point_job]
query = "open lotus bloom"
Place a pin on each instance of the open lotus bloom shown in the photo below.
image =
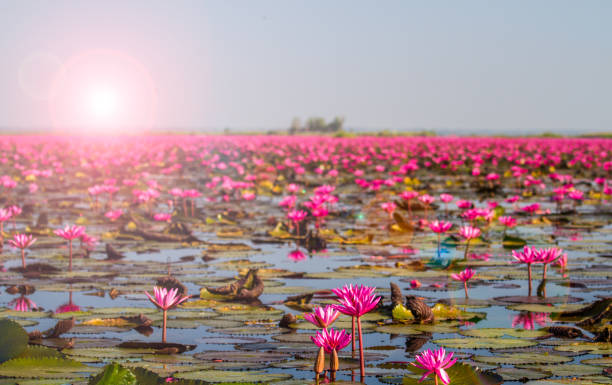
(435, 362)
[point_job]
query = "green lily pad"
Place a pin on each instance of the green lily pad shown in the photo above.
(499, 332)
(460, 374)
(591, 347)
(484, 343)
(13, 339)
(522, 358)
(46, 367)
(226, 376)
(567, 370)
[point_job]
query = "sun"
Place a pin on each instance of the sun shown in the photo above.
(103, 102)
(103, 92)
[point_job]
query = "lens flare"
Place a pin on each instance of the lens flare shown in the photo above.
(103, 92)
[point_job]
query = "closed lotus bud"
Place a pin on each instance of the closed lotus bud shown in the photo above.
(333, 361)
(319, 365)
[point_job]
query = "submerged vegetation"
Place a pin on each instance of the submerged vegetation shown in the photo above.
(270, 255)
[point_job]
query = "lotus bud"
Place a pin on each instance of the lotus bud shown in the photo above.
(319, 365)
(333, 364)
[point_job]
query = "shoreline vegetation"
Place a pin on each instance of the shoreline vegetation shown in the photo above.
(349, 133)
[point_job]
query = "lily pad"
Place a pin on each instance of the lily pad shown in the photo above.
(484, 343)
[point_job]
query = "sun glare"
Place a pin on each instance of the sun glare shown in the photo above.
(103, 92)
(103, 103)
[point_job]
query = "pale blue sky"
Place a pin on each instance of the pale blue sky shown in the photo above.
(475, 65)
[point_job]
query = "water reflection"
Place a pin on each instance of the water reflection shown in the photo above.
(68, 307)
(23, 303)
(527, 320)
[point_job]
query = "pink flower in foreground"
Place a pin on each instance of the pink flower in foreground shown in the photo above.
(446, 198)
(166, 299)
(322, 317)
(435, 362)
(355, 300)
(330, 339)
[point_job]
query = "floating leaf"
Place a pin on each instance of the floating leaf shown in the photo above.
(499, 332)
(46, 367)
(13, 339)
(114, 374)
(522, 358)
(484, 343)
(226, 376)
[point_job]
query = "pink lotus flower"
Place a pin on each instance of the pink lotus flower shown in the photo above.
(162, 217)
(464, 276)
(446, 198)
(166, 299)
(322, 317)
(248, 196)
(507, 221)
(415, 284)
(480, 257)
(70, 233)
(297, 215)
(463, 204)
(288, 201)
(114, 214)
(5, 215)
(293, 188)
(330, 339)
(528, 256)
(532, 208)
(440, 226)
(469, 233)
(356, 301)
(435, 362)
(389, 207)
(22, 241)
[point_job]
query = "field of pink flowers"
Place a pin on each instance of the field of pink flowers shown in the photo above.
(302, 260)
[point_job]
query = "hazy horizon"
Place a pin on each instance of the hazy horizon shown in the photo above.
(468, 67)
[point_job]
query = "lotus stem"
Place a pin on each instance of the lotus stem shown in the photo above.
(23, 258)
(353, 335)
(164, 327)
(529, 275)
(467, 247)
(361, 362)
(70, 255)
(465, 288)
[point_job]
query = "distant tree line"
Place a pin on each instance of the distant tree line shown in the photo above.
(316, 124)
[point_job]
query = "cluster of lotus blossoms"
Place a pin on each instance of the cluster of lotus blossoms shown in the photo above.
(530, 255)
(354, 301)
